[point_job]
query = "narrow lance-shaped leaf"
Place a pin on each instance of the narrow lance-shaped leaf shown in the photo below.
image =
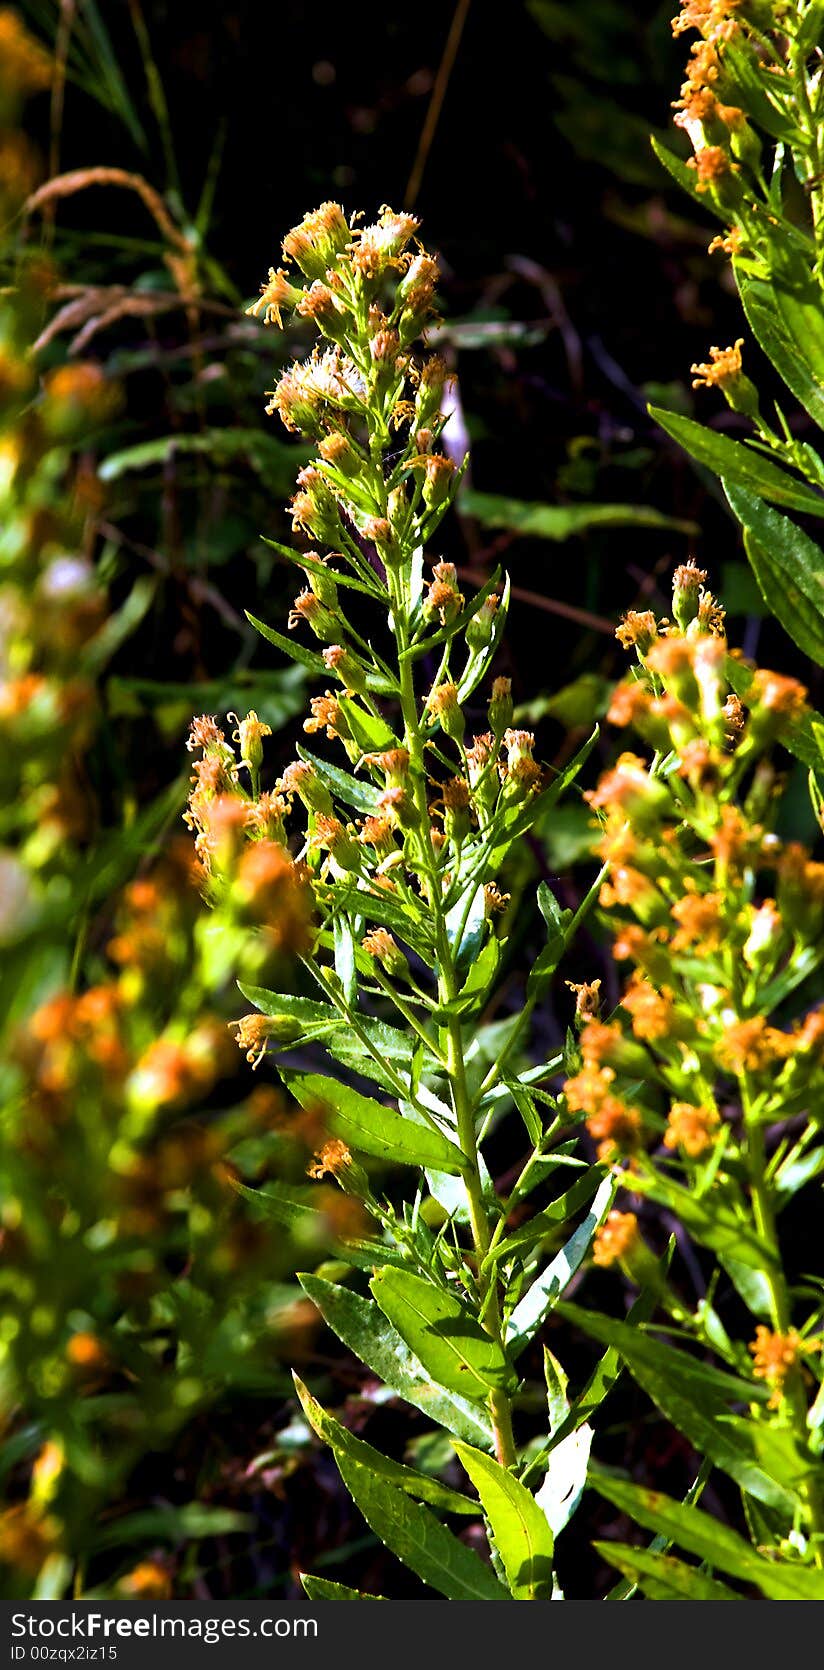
(354, 791)
(369, 1126)
(709, 1540)
(789, 568)
(522, 1535)
(456, 1350)
(737, 464)
(544, 1293)
(416, 1537)
(661, 1576)
(322, 1588)
(282, 1204)
(557, 522)
(344, 1442)
(714, 1225)
(696, 1399)
(556, 1213)
(361, 1325)
(787, 321)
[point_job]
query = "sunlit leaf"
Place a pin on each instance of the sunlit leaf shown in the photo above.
(738, 465)
(372, 1128)
(545, 1292)
(443, 1333)
(416, 1537)
(661, 1576)
(709, 1540)
(789, 568)
(522, 1534)
(343, 1442)
(361, 1325)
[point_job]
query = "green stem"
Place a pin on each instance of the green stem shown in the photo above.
(499, 1405)
(410, 1017)
(764, 1216)
(490, 1310)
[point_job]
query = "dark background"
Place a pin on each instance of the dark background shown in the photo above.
(545, 205)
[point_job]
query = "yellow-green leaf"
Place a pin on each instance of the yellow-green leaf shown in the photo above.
(456, 1350)
(522, 1534)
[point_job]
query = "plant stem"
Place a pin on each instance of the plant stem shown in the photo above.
(764, 1216)
(499, 1405)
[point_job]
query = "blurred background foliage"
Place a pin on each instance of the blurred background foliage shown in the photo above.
(153, 153)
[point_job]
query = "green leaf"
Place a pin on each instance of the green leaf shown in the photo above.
(685, 177)
(789, 568)
(372, 1128)
(455, 1349)
(661, 1576)
(280, 1203)
(372, 1049)
(473, 993)
(344, 1442)
(527, 1109)
(795, 1174)
(787, 321)
(220, 446)
(544, 1293)
(710, 1541)
(361, 1325)
(370, 732)
(695, 1398)
(713, 1224)
(557, 921)
(470, 924)
(522, 1535)
(738, 464)
(173, 1525)
(289, 646)
(352, 791)
(308, 657)
(714, 1383)
(557, 522)
(119, 626)
(750, 1284)
(322, 1588)
(312, 565)
(311, 1016)
(603, 1377)
(416, 1537)
(556, 1213)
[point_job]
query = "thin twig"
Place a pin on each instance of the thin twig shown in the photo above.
(552, 605)
(445, 68)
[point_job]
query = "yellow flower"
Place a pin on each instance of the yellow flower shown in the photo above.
(615, 1239)
(691, 1128)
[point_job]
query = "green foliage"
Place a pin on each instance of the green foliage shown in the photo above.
(465, 1156)
(748, 175)
(522, 1536)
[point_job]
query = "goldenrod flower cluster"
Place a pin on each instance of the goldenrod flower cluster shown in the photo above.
(716, 916)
